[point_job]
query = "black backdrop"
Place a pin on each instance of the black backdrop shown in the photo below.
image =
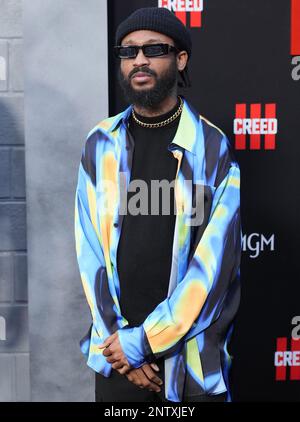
(242, 55)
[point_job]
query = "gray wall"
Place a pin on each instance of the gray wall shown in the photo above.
(14, 348)
(66, 94)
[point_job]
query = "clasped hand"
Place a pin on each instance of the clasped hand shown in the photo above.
(144, 377)
(114, 353)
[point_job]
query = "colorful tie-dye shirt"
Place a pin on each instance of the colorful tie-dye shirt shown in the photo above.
(192, 326)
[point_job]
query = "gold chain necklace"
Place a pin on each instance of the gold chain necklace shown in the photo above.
(164, 122)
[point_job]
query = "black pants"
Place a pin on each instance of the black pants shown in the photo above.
(117, 388)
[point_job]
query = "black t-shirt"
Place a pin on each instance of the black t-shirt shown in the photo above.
(145, 247)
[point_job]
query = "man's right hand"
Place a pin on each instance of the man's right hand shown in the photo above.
(145, 377)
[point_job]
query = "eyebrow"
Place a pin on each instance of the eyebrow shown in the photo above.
(146, 42)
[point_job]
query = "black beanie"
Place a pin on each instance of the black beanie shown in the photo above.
(157, 19)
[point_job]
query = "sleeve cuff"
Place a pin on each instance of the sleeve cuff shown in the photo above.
(135, 346)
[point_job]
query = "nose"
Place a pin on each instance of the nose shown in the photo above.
(140, 59)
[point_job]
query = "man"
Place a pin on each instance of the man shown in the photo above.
(163, 289)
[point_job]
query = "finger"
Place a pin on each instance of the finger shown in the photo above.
(146, 383)
(115, 356)
(139, 379)
(151, 375)
(154, 366)
(129, 376)
(113, 359)
(109, 340)
(117, 365)
(132, 376)
(107, 352)
(105, 343)
(135, 379)
(113, 346)
(124, 369)
(102, 346)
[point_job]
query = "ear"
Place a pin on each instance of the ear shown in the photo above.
(182, 58)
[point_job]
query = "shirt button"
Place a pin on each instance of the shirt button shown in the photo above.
(116, 224)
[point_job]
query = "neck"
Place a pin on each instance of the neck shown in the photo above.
(166, 105)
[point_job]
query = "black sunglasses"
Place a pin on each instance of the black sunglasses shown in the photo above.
(149, 50)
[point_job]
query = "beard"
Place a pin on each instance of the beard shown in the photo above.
(149, 98)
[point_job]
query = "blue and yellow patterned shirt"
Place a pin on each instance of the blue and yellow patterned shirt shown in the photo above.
(192, 326)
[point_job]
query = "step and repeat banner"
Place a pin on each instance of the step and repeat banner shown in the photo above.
(245, 75)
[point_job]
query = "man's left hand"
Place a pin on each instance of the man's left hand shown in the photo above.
(114, 354)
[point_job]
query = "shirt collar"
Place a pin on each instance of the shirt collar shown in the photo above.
(187, 130)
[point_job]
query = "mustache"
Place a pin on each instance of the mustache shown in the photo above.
(144, 70)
